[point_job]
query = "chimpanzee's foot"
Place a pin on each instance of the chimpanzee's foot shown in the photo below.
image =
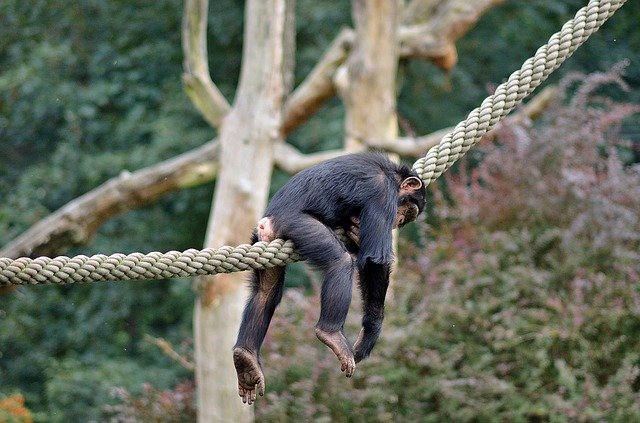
(249, 374)
(340, 347)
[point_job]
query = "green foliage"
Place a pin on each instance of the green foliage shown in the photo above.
(88, 90)
(82, 388)
(86, 339)
(92, 88)
(523, 306)
(99, 92)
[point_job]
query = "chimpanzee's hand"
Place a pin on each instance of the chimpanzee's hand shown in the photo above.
(354, 230)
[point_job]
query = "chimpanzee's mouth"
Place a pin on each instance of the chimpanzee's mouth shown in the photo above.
(410, 214)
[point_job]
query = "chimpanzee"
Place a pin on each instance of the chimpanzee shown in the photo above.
(365, 194)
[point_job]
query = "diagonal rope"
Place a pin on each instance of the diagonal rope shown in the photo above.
(137, 266)
(520, 84)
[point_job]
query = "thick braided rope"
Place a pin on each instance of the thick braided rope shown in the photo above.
(520, 84)
(136, 266)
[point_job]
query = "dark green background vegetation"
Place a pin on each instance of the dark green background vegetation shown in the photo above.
(485, 325)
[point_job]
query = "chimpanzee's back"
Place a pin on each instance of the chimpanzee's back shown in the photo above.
(334, 190)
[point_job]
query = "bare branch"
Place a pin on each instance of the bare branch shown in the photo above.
(201, 90)
(419, 41)
(444, 23)
(318, 86)
(407, 146)
(419, 146)
(77, 221)
(166, 348)
(291, 160)
(455, 17)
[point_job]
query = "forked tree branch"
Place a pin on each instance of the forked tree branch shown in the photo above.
(430, 30)
(77, 221)
(197, 81)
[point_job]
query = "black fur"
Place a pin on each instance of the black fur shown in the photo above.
(307, 210)
(364, 185)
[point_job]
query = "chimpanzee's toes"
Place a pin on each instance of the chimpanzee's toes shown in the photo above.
(249, 375)
(340, 347)
(349, 366)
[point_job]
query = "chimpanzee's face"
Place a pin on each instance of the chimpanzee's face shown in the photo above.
(411, 201)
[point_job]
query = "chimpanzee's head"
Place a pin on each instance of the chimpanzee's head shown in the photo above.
(411, 198)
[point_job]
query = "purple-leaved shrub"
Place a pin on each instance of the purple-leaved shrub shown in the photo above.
(175, 405)
(523, 304)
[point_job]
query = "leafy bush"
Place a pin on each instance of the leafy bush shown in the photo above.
(12, 410)
(524, 304)
(153, 405)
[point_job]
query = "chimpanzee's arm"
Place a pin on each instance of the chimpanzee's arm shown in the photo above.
(376, 222)
(374, 281)
(377, 219)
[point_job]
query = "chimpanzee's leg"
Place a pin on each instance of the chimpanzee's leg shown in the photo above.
(374, 281)
(319, 244)
(266, 293)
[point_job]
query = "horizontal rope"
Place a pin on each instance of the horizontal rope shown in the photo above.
(63, 270)
(137, 266)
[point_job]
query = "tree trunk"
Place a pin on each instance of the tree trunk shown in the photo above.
(246, 138)
(370, 97)
(370, 88)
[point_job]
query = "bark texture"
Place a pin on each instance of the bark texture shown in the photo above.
(201, 90)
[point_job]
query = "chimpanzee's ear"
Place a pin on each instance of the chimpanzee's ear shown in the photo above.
(411, 184)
